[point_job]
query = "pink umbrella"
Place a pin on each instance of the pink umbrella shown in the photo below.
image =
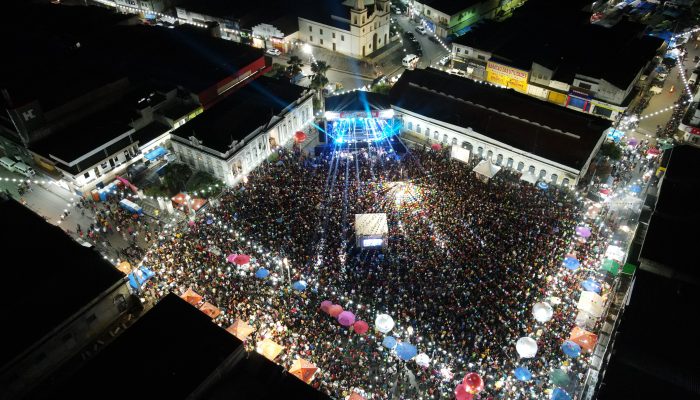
(335, 310)
(231, 258)
(241, 259)
(583, 231)
(190, 223)
(473, 383)
(325, 305)
(346, 318)
(462, 394)
(436, 146)
(654, 151)
(360, 327)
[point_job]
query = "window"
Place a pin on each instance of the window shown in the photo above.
(311, 38)
(454, 141)
(87, 175)
(565, 182)
(466, 145)
(320, 31)
(480, 151)
(428, 11)
(554, 179)
(342, 38)
(459, 50)
(584, 86)
(444, 138)
(436, 135)
(509, 164)
(489, 154)
(410, 125)
(499, 159)
(521, 165)
(103, 165)
(418, 128)
(427, 133)
(311, 28)
(111, 162)
(333, 35)
(480, 57)
(543, 173)
(531, 169)
(320, 41)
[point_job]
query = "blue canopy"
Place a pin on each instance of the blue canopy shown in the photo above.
(542, 185)
(262, 273)
(139, 276)
(589, 285)
(155, 153)
(571, 263)
(635, 188)
(560, 394)
(523, 374)
(389, 342)
(571, 349)
(299, 286)
(406, 351)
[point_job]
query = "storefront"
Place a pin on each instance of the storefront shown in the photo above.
(579, 100)
(507, 76)
(557, 98)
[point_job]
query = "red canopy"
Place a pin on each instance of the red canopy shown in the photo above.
(191, 297)
(473, 383)
(436, 146)
(300, 136)
(360, 327)
(241, 259)
(211, 310)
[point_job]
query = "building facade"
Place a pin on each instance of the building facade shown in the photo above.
(451, 18)
(362, 31)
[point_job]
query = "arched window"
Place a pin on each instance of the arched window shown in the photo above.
(554, 179)
(499, 159)
(427, 133)
(543, 173)
(454, 141)
(418, 128)
(444, 138)
(509, 164)
(410, 125)
(480, 151)
(466, 145)
(531, 169)
(521, 165)
(565, 182)
(489, 154)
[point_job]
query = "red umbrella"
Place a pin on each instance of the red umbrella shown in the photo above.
(325, 305)
(335, 310)
(241, 259)
(654, 151)
(300, 136)
(473, 383)
(360, 327)
(436, 146)
(462, 394)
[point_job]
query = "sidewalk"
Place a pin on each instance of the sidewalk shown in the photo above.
(342, 63)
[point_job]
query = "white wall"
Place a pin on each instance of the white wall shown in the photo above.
(462, 135)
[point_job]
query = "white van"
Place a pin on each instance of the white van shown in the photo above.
(8, 164)
(693, 78)
(410, 61)
(24, 169)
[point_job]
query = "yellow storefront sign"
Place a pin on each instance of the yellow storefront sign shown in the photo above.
(509, 77)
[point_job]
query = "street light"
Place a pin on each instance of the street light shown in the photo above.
(308, 50)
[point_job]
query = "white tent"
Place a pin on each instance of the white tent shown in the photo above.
(591, 303)
(528, 177)
(486, 170)
(371, 230)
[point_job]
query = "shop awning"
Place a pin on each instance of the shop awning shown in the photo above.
(155, 153)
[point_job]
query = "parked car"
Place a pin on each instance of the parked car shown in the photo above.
(434, 39)
(696, 59)
(458, 72)
(656, 89)
(273, 51)
(7, 164)
(421, 30)
(444, 61)
(24, 169)
(410, 36)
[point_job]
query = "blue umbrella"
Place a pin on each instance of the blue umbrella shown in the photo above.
(590, 285)
(542, 185)
(262, 273)
(635, 188)
(560, 394)
(571, 349)
(406, 351)
(523, 374)
(299, 286)
(210, 221)
(280, 220)
(571, 263)
(389, 342)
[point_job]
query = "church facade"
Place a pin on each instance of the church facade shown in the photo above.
(355, 28)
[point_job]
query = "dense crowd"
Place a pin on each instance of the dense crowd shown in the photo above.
(464, 264)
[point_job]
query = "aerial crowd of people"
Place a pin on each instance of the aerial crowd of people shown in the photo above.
(464, 263)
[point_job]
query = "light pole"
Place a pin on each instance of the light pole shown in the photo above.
(308, 50)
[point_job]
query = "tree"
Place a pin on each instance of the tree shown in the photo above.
(382, 88)
(611, 150)
(204, 182)
(176, 176)
(294, 65)
(319, 80)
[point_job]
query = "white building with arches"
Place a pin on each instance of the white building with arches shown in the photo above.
(355, 28)
(237, 134)
(511, 129)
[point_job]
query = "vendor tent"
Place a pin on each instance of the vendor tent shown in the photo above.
(591, 303)
(587, 340)
(124, 267)
(240, 329)
(303, 370)
(269, 349)
(211, 310)
(528, 177)
(191, 297)
(139, 276)
(611, 267)
(486, 170)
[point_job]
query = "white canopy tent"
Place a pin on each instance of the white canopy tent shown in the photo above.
(486, 170)
(529, 177)
(591, 303)
(371, 230)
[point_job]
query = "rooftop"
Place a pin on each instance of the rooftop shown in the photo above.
(546, 130)
(323, 12)
(358, 101)
(51, 278)
(167, 354)
(669, 241)
(241, 113)
(451, 7)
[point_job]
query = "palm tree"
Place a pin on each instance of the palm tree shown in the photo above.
(319, 80)
(294, 65)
